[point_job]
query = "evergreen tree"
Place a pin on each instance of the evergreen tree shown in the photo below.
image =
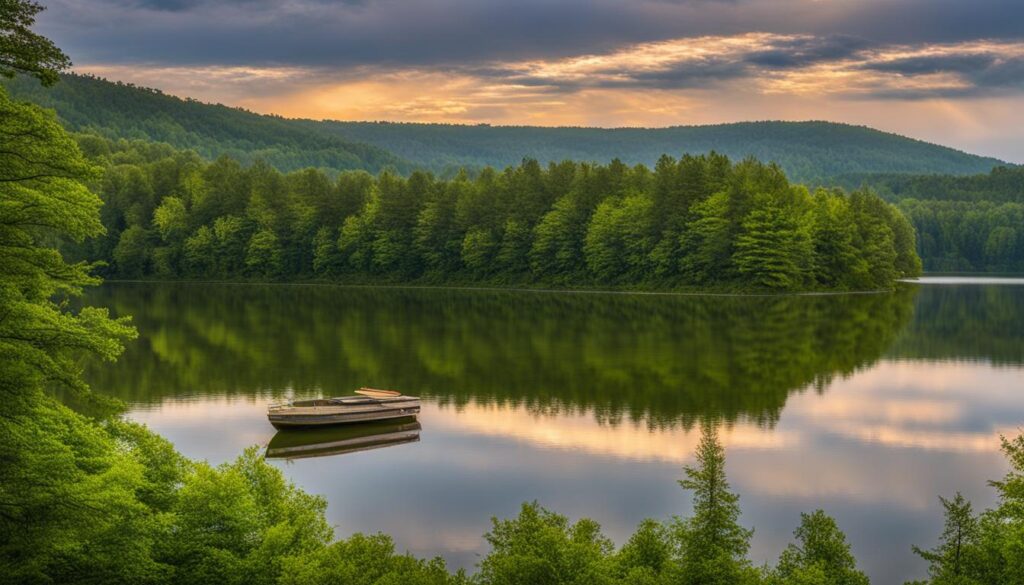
(647, 555)
(774, 248)
(822, 555)
(706, 243)
(955, 559)
(712, 546)
(1002, 527)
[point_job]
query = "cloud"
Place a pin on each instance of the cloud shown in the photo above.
(596, 62)
(462, 32)
(803, 51)
(963, 70)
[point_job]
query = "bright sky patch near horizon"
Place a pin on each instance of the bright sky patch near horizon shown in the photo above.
(945, 71)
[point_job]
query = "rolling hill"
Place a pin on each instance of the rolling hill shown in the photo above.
(808, 151)
(116, 110)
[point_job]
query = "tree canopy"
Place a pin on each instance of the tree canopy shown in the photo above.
(23, 51)
(697, 222)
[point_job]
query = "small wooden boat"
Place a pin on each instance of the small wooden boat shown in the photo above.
(369, 405)
(320, 442)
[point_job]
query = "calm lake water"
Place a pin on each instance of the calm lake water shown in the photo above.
(868, 406)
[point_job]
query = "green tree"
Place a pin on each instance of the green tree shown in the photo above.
(647, 555)
(478, 250)
(543, 548)
(706, 243)
(61, 484)
(513, 255)
(558, 240)
(241, 523)
(230, 240)
(355, 241)
(23, 51)
(712, 546)
(171, 219)
(821, 555)
(955, 558)
(1002, 527)
(774, 248)
(437, 238)
(200, 252)
(326, 259)
(133, 252)
(835, 259)
(263, 257)
(875, 240)
(618, 242)
(365, 560)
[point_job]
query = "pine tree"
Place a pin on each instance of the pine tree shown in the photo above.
(774, 247)
(712, 546)
(822, 552)
(952, 560)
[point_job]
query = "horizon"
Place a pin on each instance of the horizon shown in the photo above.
(933, 70)
(559, 126)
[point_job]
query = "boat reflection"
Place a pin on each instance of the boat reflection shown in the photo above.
(321, 442)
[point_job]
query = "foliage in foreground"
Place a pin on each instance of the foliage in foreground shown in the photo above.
(702, 221)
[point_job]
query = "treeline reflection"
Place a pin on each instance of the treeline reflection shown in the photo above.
(659, 360)
(966, 322)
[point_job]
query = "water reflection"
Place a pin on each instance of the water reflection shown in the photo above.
(338, 440)
(966, 322)
(660, 360)
(866, 406)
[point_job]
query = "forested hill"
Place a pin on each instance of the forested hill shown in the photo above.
(116, 110)
(964, 223)
(806, 151)
(1002, 184)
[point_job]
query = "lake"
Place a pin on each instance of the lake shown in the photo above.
(868, 406)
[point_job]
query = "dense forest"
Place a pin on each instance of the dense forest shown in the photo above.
(806, 151)
(701, 221)
(966, 236)
(1000, 185)
(964, 223)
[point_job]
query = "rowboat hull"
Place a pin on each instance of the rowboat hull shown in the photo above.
(326, 412)
(339, 440)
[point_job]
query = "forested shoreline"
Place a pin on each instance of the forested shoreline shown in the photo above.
(700, 222)
(966, 223)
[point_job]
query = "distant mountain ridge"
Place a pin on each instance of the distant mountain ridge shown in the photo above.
(807, 151)
(814, 152)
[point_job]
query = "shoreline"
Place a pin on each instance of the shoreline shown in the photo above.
(518, 288)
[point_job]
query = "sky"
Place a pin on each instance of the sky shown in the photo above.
(946, 71)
